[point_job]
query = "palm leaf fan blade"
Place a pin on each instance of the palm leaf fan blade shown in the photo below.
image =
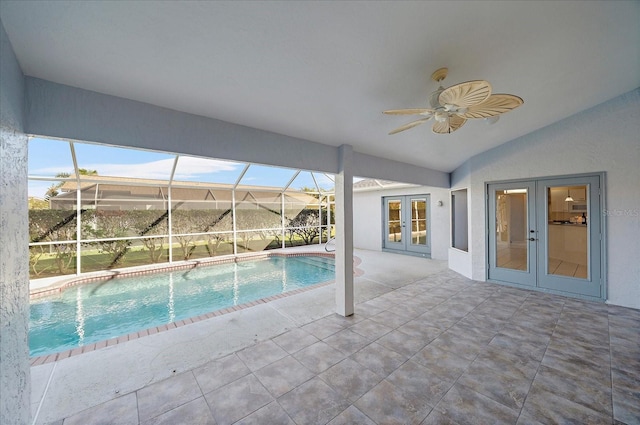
(414, 111)
(467, 94)
(495, 105)
(410, 125)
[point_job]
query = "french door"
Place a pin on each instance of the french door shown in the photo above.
(407, 224)
(546, 234)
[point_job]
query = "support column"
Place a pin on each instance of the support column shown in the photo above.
(15, 378)
(344, 232)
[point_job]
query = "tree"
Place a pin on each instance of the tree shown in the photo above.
(37, 204)
(150, 223)
(52, 226)
(108, 224)
(182, 223)
(306, 225)
(86, 172)
(213, 220)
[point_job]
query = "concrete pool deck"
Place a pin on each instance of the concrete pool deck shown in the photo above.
(424, 344)
(92, 378)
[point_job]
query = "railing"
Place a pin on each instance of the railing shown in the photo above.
(327, 246)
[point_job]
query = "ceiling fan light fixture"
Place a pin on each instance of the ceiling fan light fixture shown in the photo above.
(492, 120)
(442, 116)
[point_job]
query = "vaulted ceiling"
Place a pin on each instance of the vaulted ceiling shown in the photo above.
(324, 71)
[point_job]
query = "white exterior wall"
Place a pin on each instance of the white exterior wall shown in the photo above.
(460, 261)
(604, 138)
(367, 218)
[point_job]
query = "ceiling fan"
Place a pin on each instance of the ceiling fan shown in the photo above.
(453, 106)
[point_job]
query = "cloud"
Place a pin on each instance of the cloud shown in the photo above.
(189, 168)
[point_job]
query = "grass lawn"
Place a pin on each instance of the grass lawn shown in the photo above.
(95, 260)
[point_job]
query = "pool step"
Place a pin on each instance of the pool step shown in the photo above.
(321, 262)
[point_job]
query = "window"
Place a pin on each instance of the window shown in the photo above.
(459, 220)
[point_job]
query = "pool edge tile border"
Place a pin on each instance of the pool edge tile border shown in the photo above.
(50, 358)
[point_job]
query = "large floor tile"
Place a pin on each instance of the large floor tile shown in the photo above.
(238, 399)
(350, 379)
(416, 379)
(462, 347)
(467, 407)
(351, 416)
(347, 341)
(272, 413)
(323, 328)
(295, 340)
(402, 343)
(584, 390)
(503, 388)
(194, 412)
(313, 403)
(120, 411)
(319, 357)
(520, 368)
(390, 318)
(218, 373)
(447, 366)
(259, 355)
(379, 359)
(575, 365)
(547, 407)
(370, 329)
(389, 405)
(283, 375)
(419, 329)
(163, 396)
(517, 347)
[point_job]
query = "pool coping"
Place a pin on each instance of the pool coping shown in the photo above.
(79, 280)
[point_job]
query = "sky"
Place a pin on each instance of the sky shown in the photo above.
(49, 157)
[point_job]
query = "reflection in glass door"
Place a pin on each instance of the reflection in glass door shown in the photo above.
(570, 242)
(406, 224)
(418, 221)
(394, 223)
(567, 230)
(512, 238)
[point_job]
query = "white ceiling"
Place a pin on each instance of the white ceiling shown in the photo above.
(324, 71)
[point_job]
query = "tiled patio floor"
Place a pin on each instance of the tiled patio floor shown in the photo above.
(441, 350)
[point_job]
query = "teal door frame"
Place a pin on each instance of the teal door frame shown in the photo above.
(400, 239)
(536, 273)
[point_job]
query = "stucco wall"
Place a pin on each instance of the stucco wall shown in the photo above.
(367, 218)
(15, 381)
(604, 138)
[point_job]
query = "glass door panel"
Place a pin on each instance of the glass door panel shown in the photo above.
(567, 230)
(394, 223)
(419, 221)
(512, 240)
(511, 229)
(570, 243)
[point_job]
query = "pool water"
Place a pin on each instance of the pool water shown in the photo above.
(97, 311)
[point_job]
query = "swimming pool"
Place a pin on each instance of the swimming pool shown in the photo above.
(98, 311)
